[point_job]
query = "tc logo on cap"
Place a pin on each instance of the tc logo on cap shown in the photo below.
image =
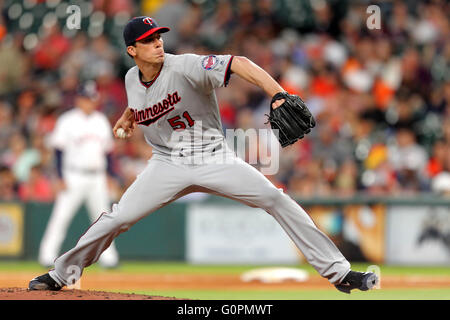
(140, 27)
(148, 20)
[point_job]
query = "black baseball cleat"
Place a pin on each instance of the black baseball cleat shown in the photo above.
(357, 280)
(44, 282)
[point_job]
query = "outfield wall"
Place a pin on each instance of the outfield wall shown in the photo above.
(217, 230)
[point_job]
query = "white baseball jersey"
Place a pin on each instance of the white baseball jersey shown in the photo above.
(84, 140)
(180, 98)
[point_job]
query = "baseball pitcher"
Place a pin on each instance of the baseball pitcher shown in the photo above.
(172, 99)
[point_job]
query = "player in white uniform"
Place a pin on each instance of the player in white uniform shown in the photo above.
(82, 141)
(172, 97)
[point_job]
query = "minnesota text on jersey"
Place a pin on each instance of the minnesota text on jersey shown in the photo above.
(151, 114)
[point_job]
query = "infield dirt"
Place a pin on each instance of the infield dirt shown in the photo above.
(69, 294)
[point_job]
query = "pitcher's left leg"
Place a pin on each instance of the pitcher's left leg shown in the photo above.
(242, 182)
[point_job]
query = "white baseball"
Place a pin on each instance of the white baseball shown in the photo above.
(121, 133)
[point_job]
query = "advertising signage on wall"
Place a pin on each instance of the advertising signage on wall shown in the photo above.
(236, 234)
(11, 230)
(373, 233)
(418, 235)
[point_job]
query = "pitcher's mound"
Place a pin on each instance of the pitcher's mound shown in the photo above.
(68, 294)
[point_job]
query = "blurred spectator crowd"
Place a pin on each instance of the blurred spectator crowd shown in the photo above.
(381, 97)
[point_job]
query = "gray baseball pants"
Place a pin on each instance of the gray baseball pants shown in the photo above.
(165, 180)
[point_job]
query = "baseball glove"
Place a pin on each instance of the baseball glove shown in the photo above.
(293, 118)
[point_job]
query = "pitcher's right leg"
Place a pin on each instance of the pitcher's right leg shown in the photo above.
(65, 207)
(98, 202)
(160, 183)
(240, 181)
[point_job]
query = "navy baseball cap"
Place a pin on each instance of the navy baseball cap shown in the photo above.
(88, 89)
(140, 28)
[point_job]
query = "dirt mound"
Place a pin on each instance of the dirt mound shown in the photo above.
(68, 294)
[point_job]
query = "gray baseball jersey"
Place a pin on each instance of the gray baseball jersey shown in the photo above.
(181, 96)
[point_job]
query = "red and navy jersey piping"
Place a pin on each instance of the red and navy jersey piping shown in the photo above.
(228, 72)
